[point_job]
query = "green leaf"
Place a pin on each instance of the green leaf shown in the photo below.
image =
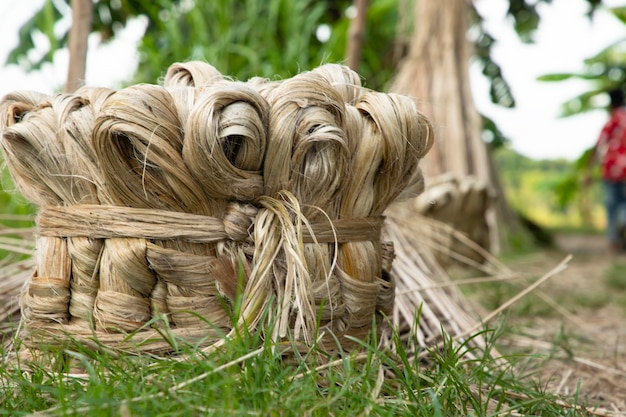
(581, 103)
(44, 21)
(614, 53)
(558, 77)
(497, 138)
(619, 12)
(525, 19)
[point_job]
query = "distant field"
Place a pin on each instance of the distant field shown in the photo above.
(535, 188)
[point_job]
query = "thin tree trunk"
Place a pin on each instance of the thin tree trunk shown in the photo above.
(356, 35)
(82, 12)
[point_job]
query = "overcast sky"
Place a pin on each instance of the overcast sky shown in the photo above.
(563, 40)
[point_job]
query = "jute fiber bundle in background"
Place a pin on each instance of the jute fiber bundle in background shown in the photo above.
(187, 204)
(463, 204)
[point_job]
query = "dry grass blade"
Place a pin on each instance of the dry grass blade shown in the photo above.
(356, 359)
(375, 390)
(461, 282)
(556, 270)
(598, 366)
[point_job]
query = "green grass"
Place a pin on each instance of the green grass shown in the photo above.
(591, 300)
(249, 377)
(491, 295)
(615, 279)
(615, 276)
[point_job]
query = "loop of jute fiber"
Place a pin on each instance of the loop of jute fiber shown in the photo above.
(172, 204)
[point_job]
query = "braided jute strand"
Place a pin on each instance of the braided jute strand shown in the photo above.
(182, 204)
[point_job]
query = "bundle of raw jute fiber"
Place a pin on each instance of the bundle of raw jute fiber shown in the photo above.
(464, 204)
(207, 204)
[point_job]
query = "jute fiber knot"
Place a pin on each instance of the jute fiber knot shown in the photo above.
(204, 205)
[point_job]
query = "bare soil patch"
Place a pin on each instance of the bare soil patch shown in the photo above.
(582, 336)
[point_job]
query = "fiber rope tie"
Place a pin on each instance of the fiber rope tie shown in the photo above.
(275, 228)
(105, 222)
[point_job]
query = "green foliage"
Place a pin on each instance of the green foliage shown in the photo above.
(606, 71)
(380, 54)
(615, 277)
(568, 188)
(108, 18)
(275, 38)
(44, 22)
(585, 102)
(525, 22)
(525, 17)
(499, 89)
(493, 135)
(565, 76)
(268, 39)
(620, 13)
(11, 202)
(15, 213)
(242, 39)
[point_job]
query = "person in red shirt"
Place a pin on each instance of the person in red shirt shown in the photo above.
(610, 152)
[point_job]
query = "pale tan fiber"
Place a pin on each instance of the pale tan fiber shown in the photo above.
(192, 74)
(225, 141)
(171, 205)
(117, 221)
(463, 204)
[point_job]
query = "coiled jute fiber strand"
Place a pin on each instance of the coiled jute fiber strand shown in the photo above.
(31, 149)
(225, 140)
(345, 81)
(41, 128)
(204, 190)
(393, 137)
(140, 138)
(76, 122)
(225, 143)
(310, 161)
(191, 74)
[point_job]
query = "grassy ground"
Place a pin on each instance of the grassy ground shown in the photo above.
(249, 377)
(574, 323)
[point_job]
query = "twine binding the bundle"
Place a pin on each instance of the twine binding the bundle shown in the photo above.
(185, 204)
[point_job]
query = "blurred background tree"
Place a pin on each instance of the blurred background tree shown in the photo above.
(270, 38)
(274, 38)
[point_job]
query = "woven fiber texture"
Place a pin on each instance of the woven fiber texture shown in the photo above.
(205, 204)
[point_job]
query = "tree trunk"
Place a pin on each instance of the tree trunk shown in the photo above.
(82, 12)
(436, 72)
(356, 35)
